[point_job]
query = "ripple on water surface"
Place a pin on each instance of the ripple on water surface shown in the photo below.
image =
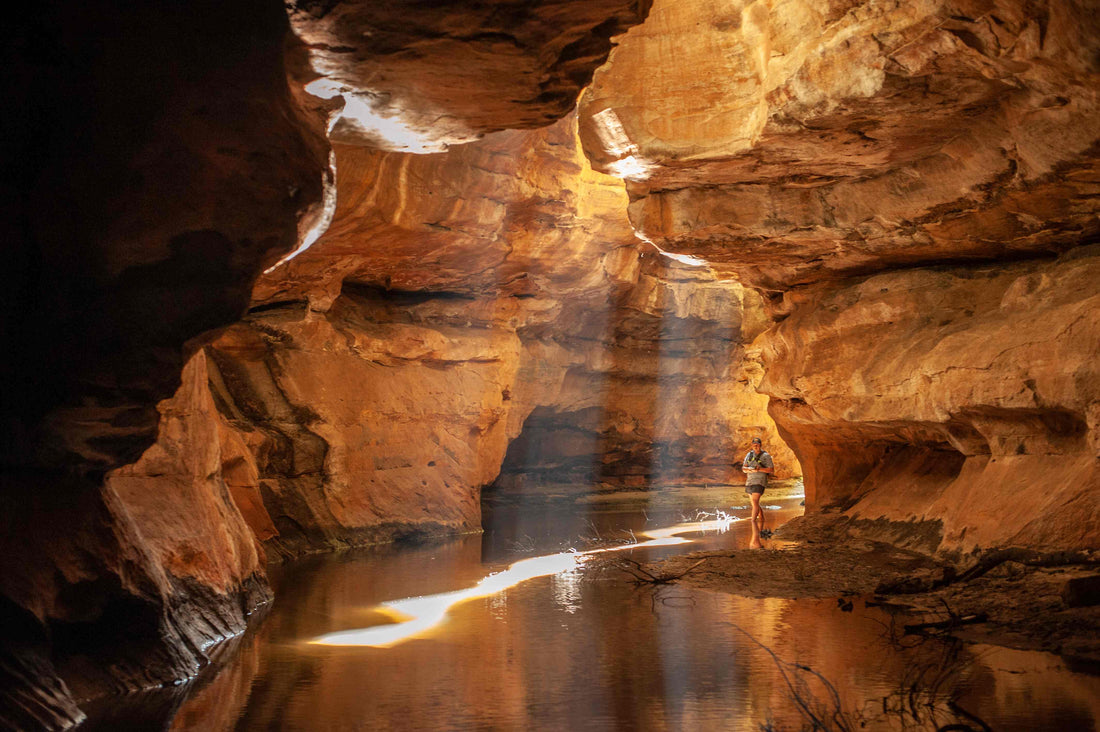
(579, 649)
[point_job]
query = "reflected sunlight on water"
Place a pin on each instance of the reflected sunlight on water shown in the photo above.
(580, 650)
(416, 616)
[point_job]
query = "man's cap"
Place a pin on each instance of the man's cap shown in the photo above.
(757, 439)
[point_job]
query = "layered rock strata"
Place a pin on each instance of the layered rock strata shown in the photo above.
(813, 143)
(660, 392)
(109, 589)
(159, 161)
(881, 171)
(155, 160)
(905, 183)
(975, 405)
(385, 416)
(417, 76)
(359, 431)
(512, 334)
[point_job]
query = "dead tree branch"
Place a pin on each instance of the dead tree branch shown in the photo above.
(643, 576)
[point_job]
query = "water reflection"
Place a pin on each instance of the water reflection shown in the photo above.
(417, 616)
(755, 539)
(573, 652)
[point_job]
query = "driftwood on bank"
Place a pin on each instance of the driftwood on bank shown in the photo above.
(643, 576)
(985, 564)
(1028, 557)
(953, 621)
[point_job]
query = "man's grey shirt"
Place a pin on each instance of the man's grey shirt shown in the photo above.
(754, 460)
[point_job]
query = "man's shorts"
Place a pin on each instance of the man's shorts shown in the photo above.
(755, 489)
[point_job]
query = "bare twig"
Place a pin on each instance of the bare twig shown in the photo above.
(799, 696)
(642, 575)
(985, 564)
(951, 622)
(959, 711)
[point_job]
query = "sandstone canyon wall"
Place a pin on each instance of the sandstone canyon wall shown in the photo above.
(481, 318)
(975, 407)
(161, 157)
(514, 335)
(883, 213)
(913, 187)
(155, 159)
(419, 76)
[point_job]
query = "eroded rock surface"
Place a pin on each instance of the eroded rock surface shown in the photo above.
(660, 391)
(515, 221)
(483, 317)
(361, 431)
(419, 76)
(875, 168)
(911, 186)
(387, 415)
(159, 160)
(809, 141)
(155, 160)
(975, 402)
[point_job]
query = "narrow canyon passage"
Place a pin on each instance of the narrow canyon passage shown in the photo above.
(295, 279)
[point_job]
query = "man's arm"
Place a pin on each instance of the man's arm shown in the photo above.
(766, 465)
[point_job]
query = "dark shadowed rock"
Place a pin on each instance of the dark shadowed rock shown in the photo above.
(418, 76)
(1082, 591)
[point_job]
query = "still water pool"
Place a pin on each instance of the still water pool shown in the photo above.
(587, 649)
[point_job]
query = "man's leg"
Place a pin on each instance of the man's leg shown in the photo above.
(757, 512)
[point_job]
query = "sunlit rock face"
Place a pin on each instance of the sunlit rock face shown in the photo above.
(660, 392)
(110, 589)
(975, 403)
(481, 319)
(362, 431)
(156, 160)
(520, 215)
(804, 141)
(862, 164)
(418, 76)
(909, 184)
(182, 473)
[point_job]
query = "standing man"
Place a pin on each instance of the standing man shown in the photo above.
(757, 466)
